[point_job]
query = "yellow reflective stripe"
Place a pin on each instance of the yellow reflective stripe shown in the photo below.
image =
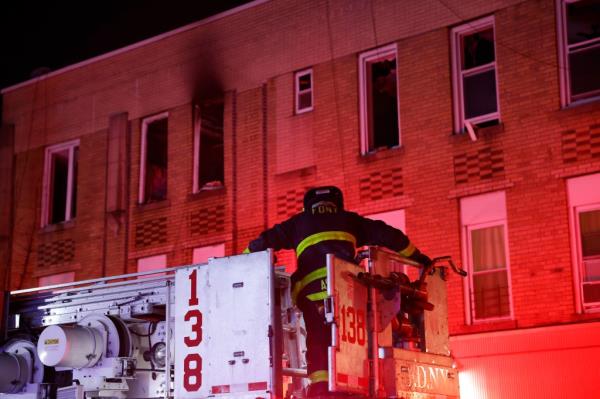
(246, 251)
(408, 251)
(318, 376)
(309, 278)
(324, 236)
(317, 296)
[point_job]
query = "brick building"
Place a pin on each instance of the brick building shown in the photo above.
(474, 126)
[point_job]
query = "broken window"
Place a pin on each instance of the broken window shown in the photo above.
(209, 157)
(475, 83)
(580, 42)
(304, 91)
(60, 183)
(379, 99)
(153, 179)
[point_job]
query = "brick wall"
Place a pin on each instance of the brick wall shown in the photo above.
(272, 155)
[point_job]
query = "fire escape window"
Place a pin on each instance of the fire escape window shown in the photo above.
(380, 117)
(474, 74)
(484, 233)
(153, 165)
(60, 183)
(579, 46)
(209, 157)
(304, 91)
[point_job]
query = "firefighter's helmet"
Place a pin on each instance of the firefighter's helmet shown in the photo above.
(330, 194)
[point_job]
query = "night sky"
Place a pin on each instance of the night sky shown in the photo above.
(54, 34)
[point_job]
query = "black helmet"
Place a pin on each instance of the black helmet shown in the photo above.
(323, 194)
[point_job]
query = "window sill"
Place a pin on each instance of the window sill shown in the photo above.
(382, 153)
(51, 228)
(487, 326)
(153, 205)
(581, 103)
(482, 132)
(207, 193)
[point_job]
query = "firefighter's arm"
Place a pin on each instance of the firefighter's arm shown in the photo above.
(277, 237)
(376, 232)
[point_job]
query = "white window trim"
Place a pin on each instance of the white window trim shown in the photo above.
(457, 73)
(298, 92)
(363, 59)
(577, 256)
(69, 145)
(563, 57)
(468, 282)
(142, 177)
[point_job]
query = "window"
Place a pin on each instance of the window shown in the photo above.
(485, 253)
(208, 145)
(379, 114)
(152, 263)
(59, 202)
(153, 159)
(393, 218)
(59, 278)
(579, 49)
(474, 74)
(584, 203)
(202, 254)
(304, 91)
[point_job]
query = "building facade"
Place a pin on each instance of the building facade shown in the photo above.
(474, 127)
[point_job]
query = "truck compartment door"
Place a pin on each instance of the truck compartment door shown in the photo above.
(349, 353)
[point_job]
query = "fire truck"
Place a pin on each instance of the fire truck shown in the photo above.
(228, 329)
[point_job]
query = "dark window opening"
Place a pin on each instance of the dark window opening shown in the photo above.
(383, 104)
(58, 186)
(62, 204)
(583, 47)
(156, 161)
(211, 163)
(478, 49)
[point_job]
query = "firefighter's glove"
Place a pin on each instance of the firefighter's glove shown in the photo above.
(423, 259)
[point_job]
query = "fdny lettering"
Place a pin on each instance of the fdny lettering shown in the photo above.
(427, 378)
(323, 285)
(323, 208)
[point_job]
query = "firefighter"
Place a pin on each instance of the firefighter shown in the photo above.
(324, 227)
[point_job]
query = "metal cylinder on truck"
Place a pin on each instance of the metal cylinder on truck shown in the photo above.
(14, 372)
(70, 346)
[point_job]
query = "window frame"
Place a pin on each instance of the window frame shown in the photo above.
(458, 97)
(143, 150)
(581, 197)
(578, 249)
(363, 59)
(566, 99)
(298, 92)
(470, 292)
(68, 145)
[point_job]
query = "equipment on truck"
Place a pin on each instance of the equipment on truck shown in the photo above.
(228, 329)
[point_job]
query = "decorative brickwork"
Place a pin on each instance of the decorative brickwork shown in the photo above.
(581, 145)
(381, 184)
(290, 203)
(151, 232)
(484, 164)
(56, 253)
(207, 221)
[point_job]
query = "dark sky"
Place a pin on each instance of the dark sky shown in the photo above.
(54, 33)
